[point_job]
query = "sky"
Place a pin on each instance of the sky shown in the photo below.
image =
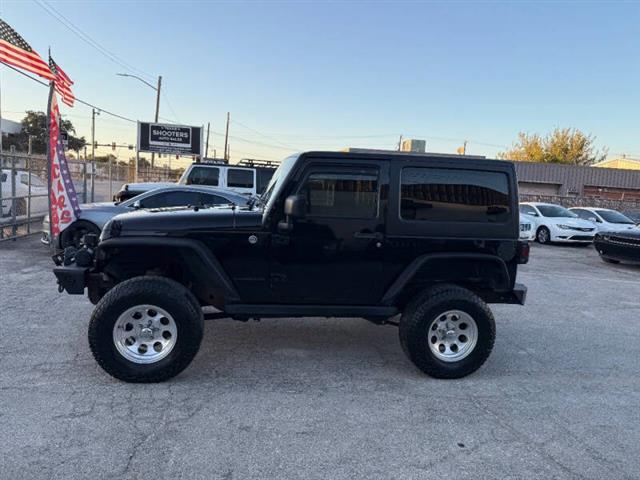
(305, 75)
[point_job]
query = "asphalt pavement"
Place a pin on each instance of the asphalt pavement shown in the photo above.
(330, 398)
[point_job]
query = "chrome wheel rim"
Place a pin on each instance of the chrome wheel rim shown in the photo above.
(145, 334)
(452, 335)
(543, 236)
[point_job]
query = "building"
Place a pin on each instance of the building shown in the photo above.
(9, 126)
(622, 162)
(554, 179)
(413, 146)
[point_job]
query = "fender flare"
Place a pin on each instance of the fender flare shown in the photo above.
(396, 288)
(210, 269)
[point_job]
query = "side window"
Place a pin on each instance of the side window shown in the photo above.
(204, 176)
(527, 209)
(239, 178)
(171, 199)
(345, 195)
(24, 179)
(451, 195)
(264, 175)
(209, 199)
(584, 214)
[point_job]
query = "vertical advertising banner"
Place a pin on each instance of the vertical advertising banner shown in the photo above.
(63, 201)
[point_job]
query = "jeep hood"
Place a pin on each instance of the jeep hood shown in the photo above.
(183, 220)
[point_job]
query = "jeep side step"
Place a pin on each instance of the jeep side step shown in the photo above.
(310, 310)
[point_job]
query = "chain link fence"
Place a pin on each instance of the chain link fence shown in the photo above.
(24, 193)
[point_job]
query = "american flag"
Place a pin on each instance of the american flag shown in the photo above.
(62, 83)
(15, 51)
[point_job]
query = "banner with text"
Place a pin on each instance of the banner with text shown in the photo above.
(64, 207)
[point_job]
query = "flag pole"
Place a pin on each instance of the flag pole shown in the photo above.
(49, 163)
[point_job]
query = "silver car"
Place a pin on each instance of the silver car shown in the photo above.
(94, 216)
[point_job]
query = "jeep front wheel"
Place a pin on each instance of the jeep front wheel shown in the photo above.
(447, 332)
(146, 329)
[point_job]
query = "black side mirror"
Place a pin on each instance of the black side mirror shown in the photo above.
(295, 206)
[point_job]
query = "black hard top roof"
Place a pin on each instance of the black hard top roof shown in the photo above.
(370, 154)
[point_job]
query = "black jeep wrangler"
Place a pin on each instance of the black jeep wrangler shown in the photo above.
(431, 238)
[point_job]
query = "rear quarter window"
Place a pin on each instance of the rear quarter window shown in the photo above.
(204, 176)
(239, 178)
(454, 195)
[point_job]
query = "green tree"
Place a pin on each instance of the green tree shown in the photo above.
(563, 145)
(34, 124)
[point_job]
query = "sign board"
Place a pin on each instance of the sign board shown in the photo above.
(169, 138)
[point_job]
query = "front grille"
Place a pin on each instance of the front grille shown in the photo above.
(630, 242)
(582, 229)
(581, 237)
(525, 227)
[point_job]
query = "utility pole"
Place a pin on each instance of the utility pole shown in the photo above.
(157, 89)
(226, 140)
(206, 150)
(94, 112)
(400, 143)
(153, 155)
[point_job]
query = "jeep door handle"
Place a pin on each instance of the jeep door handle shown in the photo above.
(369, 236)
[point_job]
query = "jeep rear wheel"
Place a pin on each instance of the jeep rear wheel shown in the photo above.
(447, 332)
(146, 329)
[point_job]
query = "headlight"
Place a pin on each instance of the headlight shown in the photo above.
(565, 227)
(106, 231)
(111, 229)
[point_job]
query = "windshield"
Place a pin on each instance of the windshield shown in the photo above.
(276, 182)
(555, 211)
(612, 216)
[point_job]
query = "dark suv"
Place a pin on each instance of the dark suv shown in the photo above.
(432, 238)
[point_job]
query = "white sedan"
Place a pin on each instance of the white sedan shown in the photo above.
(554, 223)
(38, 201)
(606, 220)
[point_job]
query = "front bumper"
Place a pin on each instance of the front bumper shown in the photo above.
(570, 237)
(615, 251)
(527, 235)
(71, 278)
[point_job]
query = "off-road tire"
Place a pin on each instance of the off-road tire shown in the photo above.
(548, 236)
(162, 292)
(72, 235)
(420, 313)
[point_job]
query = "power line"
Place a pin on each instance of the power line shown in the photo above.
(262, 144)
(102, 110)
(77, 31)
(166, 99)
(262, 134)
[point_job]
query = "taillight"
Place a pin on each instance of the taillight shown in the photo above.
(522, 252)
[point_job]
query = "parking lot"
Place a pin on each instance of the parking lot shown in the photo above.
(330, 398)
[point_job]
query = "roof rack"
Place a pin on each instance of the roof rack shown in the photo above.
(254, 162)
(217, 161)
